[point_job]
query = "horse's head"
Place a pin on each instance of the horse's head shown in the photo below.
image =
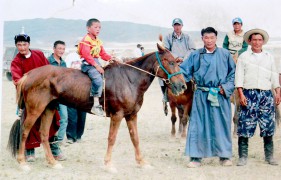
(169, 70)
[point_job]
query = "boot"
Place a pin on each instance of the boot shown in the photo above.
(165, 99)
(97, 109)
(242, 151)
(268, 150)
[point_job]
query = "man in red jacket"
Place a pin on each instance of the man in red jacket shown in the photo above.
(25, 61)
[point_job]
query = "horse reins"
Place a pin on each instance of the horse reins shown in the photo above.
(167, 81)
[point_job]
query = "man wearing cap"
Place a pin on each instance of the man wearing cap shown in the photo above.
(25, 61)
(234, 41)
(209, 131)
(181, 45)
(255, 76)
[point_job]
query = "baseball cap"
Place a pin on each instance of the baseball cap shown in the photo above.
(177, 21)
(237, 20)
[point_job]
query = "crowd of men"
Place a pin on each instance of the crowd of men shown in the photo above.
(216, 72)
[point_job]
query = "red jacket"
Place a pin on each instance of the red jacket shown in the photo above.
(90, 48)
(19, 66)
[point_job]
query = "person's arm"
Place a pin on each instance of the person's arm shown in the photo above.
(239, 80)
(275, 80)
(244, 48)
(167, 42)
(85, 52)
(191, 47)
(104, 55)
(225, 42)
(187, 67)
(16, 70)
(242, 98)
(228, 87)
(277, 96)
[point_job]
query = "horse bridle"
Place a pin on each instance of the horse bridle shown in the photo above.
(167, 81)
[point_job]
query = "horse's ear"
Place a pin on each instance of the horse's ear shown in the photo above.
(160, 44)
(160, 37)
(160, 48)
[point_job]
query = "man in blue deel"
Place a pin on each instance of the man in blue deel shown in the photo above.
(209, 131)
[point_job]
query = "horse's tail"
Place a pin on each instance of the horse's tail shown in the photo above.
(14, 138)
(19, 91)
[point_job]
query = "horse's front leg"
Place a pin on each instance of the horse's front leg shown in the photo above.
(181, 116)
(46, 121)
(184, 121)
(133, 130)
(173, 119)
(113, 130)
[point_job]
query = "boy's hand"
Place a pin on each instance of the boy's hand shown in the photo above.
(99, 69)
(114, 59)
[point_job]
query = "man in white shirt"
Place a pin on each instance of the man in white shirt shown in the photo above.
(255, 76)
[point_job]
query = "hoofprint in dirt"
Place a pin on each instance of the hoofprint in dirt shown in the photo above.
(165, 154)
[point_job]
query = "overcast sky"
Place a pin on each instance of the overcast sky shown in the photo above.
(196, 14)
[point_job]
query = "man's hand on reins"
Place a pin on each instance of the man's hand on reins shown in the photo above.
(179, 60)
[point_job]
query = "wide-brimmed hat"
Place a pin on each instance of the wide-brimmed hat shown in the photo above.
(256, 31)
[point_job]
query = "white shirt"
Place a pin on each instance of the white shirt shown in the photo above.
(73, 60)
(256, 71)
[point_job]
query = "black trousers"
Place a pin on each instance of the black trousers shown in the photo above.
(76, 124)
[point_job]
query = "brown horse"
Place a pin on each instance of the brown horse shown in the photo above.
(124, 89)
(183, 104)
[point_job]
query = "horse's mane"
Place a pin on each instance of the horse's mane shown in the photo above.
(134, 61)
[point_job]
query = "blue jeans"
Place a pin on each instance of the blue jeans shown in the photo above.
(76, 123)
(96, 78)
(63, 122)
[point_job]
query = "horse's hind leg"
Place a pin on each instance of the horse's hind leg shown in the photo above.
(46, 121)
(113, 130)
(26, 127)
(173, 118)
(236, 112)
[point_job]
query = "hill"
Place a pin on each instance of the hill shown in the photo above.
(44, 32)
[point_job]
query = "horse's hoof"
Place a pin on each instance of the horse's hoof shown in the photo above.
(144, 164)
(57, 166)
(183, 136)
(25, 167)
(147, 166)
(111, 169)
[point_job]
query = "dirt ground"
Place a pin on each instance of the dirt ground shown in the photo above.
(165, 154)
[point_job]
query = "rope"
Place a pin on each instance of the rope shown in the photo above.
(103, 78)
(155, 75)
